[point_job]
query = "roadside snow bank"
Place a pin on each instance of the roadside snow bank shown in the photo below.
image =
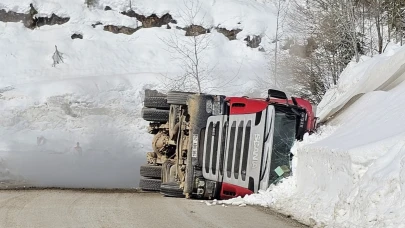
(380, 73)
(353, 175)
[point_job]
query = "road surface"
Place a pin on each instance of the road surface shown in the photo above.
(104, 209)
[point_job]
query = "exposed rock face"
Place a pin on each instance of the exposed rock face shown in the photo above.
(230, 34)
(303, 51)
(95, 25)
(152, 20)
(53, 20)
(76, 36)
(253, 41)
(11, 16)
(26, 18)
(120, 29)
(29, 19)
(195, 30)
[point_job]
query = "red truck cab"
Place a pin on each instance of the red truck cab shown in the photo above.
(231, 146)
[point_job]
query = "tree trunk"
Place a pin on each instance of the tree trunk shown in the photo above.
(276, 47)
(380, 38)
(196, 65)
(352, 27)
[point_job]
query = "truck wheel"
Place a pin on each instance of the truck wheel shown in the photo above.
(148, 184)
(151, 171)
(176, 97)
(156, 102)
(156, 115)
(171, 189)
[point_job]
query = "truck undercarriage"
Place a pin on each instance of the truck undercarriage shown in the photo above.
(213, 146)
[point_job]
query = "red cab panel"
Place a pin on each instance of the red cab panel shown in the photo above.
(229, 191)
(308, 107)
(242, 105)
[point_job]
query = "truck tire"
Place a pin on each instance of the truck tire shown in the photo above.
(171, 189)
(151, 171)
(176, 97)
(155, 115)
(148, 184)
(156, 102)
(153, 93)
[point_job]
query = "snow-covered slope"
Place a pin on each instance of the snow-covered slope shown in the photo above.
(102, 53)
(351, 174)
(95, 96)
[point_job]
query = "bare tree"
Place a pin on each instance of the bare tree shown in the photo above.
(376, 10)
(57, 57)
(282, 9)
(326, 39)
(351, 27)
(190, 50)
(324, 36)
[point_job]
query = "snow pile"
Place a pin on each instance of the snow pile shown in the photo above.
(381, 73)
(94, 96)
(352, 175)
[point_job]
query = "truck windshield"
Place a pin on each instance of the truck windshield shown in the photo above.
(284, 137)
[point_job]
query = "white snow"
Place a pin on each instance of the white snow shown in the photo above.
(95, 96)
(351, 174)
(101, 113)
(381, 73)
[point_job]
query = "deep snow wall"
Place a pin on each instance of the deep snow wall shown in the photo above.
(351, 172)
(354, 177)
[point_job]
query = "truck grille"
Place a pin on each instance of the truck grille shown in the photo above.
(226, 148)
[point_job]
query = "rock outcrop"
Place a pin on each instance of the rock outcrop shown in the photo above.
(230, 34)
(253, 41)
(10, 16)
(152, 20)
(196, 30)
(53, 20)
(30, 20)
(76, 36)
(120, 29)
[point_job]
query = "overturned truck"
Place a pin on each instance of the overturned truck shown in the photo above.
(213, 146)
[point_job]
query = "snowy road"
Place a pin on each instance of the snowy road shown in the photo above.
(65, 208)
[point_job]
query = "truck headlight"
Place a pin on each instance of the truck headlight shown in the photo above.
(216, 108)
(208, 106)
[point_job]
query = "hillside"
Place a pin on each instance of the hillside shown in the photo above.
(111, 51)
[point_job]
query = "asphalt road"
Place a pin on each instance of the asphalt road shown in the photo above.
(103, 209)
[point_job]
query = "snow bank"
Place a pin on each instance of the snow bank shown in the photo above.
(351, 174)
(381, 73)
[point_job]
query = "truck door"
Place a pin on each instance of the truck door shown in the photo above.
(267, 150)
